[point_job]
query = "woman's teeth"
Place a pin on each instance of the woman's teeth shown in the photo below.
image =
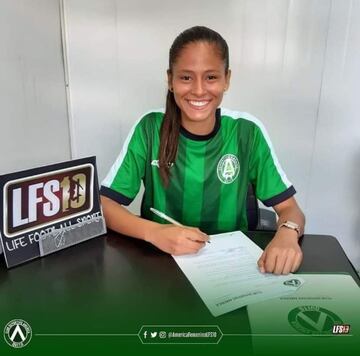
(198, 103)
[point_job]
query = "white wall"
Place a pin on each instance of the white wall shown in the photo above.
(332, 202)
(33, 113)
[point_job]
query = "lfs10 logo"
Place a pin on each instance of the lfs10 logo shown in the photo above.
(37, 201)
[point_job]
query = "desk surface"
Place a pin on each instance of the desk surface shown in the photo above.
(116, 284)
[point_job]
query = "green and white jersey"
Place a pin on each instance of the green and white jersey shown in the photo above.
(210, 176)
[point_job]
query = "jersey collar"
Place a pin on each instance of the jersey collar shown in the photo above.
(208, 136)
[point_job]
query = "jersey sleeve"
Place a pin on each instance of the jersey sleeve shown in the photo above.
(123, 181)
(271, 184)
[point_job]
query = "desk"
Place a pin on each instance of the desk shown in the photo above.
(115, 284)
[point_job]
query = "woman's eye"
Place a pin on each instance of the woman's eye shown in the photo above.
(185, 77)
(212, 77)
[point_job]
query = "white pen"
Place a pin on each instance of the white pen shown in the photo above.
(167, 218)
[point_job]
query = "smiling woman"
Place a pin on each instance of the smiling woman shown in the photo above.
(196, 161)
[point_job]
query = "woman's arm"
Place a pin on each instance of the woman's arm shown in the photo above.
(289, 210)
(283, 254)
(168, 238)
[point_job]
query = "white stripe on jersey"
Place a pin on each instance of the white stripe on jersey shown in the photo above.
(119, 160)
(238, 115)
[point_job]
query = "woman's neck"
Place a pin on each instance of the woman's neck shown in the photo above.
(203, 127)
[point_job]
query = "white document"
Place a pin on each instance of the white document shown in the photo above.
(226, 276)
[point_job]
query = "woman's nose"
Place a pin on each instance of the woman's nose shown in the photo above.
(198, 87)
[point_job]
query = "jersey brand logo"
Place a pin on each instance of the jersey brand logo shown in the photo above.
(228, 168)
(155, 163)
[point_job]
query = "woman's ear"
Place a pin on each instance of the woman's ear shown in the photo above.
(227, 80)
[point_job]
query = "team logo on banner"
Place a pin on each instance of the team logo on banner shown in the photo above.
(228, 168)
(17, 333)
(49, 208)
(311, 319)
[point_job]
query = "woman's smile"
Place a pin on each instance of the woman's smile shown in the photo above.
(198, 104)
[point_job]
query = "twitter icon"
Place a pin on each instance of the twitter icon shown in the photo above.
(153, 334)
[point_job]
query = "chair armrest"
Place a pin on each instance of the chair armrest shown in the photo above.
(267, 220)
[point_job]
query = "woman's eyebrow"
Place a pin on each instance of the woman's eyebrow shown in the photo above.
(206, 71)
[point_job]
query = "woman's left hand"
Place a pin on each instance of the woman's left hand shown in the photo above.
(283, 254)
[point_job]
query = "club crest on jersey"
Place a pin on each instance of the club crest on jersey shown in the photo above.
(228, 168)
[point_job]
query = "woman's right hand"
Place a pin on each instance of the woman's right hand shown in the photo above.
(177, 240)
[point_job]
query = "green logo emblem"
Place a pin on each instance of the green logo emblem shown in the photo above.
(293, 282)
(17, 333)
(228, 168)
(312, 319)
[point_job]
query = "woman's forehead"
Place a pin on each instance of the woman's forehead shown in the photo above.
(199, 55)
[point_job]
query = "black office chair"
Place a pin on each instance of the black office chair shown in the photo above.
(258, 219)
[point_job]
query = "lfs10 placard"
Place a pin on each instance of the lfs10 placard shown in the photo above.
(49, 208)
